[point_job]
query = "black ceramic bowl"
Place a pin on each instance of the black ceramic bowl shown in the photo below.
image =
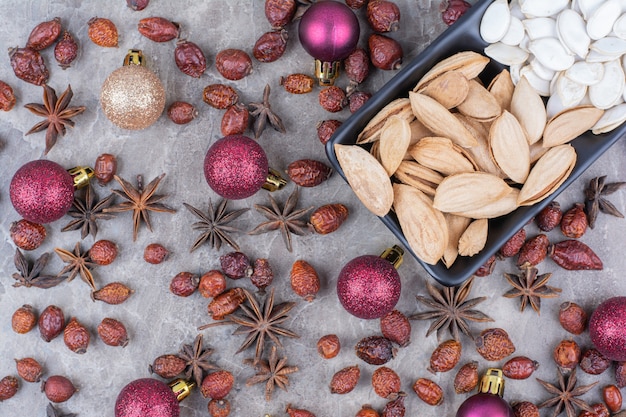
(462, 36)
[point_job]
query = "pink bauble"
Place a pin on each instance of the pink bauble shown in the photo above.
(329, 31)
(147, 397)
(42, 191)
(485, 405)
(368, 287)
(235, 167)
(607, 328)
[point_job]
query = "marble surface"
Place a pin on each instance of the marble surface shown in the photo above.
(157, 321)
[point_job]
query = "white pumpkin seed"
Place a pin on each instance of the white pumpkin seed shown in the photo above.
(609, 45)
(587, 7)
(495, 22)
(539, 84)
(554, 106)
(515, 34)
(551, 53)
(572, 32)
(570, 92)
(619, 28)
(543, 8)
(609, 90)
(516, 10)
(601, 21)
(611, 118)
(595, 56)
(540, 27)
(506, 54)
(515, 73)
(586, 73)
(541, 71)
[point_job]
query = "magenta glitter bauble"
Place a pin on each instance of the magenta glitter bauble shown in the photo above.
(607, 328)
(235, 167)
(368, 287)
(147, 397)
(42, 191)
(329, 31)
(485, 405)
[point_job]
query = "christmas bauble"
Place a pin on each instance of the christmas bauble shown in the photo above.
(147, 397)
(607, 328)
(485, 405)
(236, 167)
(42, 191)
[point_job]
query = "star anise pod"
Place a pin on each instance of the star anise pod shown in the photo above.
(274, 372)
(531, 288)
(78, 263)
(86, 212)
(57, 113)
(451, 310)
(140, 201)
(197, 359)
(565, 395)
(53, 412)
(29, 275)
(259, 323)
(214, 225)
(262, 114)
(595, 201)
(287, 220)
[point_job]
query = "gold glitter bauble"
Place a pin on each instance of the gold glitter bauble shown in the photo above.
(132, 97)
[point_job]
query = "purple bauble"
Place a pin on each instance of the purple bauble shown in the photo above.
(147, 397)
(42, 191)
(368, 287)
(235, 167)
(607, 328)
(329, 31)
(485, 405)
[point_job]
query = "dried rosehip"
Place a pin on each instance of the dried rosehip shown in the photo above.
(519, 367)
(566, 354)
(219, 408)
(105, 168)
(572, 317)
(102, 32)
(280, 12)
(103, 252)
(305, 281)
(357, 99)
(395, 408)
(328, 346)
(533, 251)
(328, 218)
(386, 382)
(383, 15)
(574, 222)
(355, 4)
(549, 217)
(345, 380)
(220, 96)
(451, 10)
(367, 411)
(7, 97)
(512, 246)
(28, 65)
(236, 265)
(217, 385)
(466, 379)
(620, 374)
(58, 388)
(8, 387)
(270, 46)
(297, 83)
(445, 356)
(357, 65)
(332, 99)
(158, 29)
(212, 284)
(184, 284)
(308, 172)
(326, 129)
(396, 327)
(29, 369)
(599, 410)
(24, 319)
(51, 323)
(233, 64)
(612, 397)
(525, 409)
(113, 293)
(574, 255)
(375, 350)
(44, 34)
(385, 53)
(189, 58)
(298, 412)
(593, 362)
(181, 112)
(27, 235)
(226, 303)
(113, 332)
(66, 50)
(428, 391)
(168, 366)
(262, 275)
(137, 5)
(76, 336)
(235, 120)
(486, 268)
(155, 253)
(494, 344)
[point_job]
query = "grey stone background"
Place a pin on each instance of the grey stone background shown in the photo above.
(157, 321)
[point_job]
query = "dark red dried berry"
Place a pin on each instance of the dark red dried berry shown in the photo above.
(512, 246)
(189, 58)
(574, 255)
(8, 387)
(51, 323)
(620, 374)
(355, 4)
(181, 112)
(28, 65)
(466, 379)
(396, 327)
(308, 172)
(395, 408)
(280, 12)
(549, 217)
(574, 222)
(519, 367)
(375, 350)
(168, 366)
(357, 65)
(220, 96)
(235, 120)
(332, 99)
(27, 235)
(105, 168)
(572, 317)
(262, 274)
(29, 369)
(212, 284)
(236, 265)
(525, 409)
(155, 253)
(385, 53)
(345, 380)
(326, 129)
(486, 268)
(593, 362)
(566, 354)
(383, 15)
(76, 336)
(297, 83)
(66, 50)
(44, 34)
(328, 346)
(451, 10)
(137, 5)
(533, 251)
(270, 46)
(103, 252)
(184, 284)
(58, 388)
(7, 97)
(428, 391)
(357, 99)
(233, 64)
(158, 29)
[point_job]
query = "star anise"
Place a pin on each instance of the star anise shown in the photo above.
(87, 211)
(53, 412)
(259, 323)
(140, 201)
(78, 263)
(531, 288)
(214, 225)
(197, 359)
(57, 113)
(595, 201)
(29, 275)
(274, 372)
(565, 395)
(262, 113)
(451, 310)
(287, 220)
